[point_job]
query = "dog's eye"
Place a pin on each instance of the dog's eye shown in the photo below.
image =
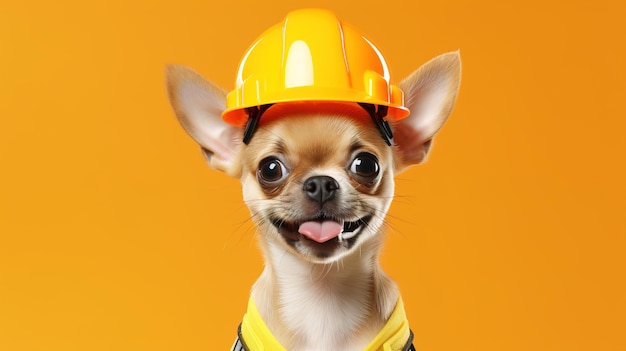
(271, 171)
(365, 165)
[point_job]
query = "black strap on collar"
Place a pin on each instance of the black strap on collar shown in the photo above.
(409, 343)
(240, 345)
(376, 112)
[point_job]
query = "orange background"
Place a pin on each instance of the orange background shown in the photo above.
(114, 235)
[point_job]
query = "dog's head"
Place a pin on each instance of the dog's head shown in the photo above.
(318, 181)
(317, 177)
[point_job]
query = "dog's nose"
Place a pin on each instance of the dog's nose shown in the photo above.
(321, 188)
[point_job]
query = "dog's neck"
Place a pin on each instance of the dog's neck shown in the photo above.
(340, 305)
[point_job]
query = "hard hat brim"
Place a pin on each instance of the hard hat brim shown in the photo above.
(237, 115)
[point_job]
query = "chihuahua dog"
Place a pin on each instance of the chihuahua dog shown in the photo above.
(318, 180)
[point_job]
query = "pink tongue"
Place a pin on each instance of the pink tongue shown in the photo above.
(320, 231)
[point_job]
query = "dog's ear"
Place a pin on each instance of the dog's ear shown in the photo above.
(430, 93)
(198, 104)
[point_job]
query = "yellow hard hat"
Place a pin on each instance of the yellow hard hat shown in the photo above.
(312, 57)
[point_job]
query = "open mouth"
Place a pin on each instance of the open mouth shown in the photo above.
(321, 231)
(321, 234)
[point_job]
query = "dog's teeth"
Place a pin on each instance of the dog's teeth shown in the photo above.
(343, 228)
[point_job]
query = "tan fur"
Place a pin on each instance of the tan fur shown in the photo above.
(333, 295)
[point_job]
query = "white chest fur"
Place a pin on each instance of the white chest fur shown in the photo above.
(324, 307)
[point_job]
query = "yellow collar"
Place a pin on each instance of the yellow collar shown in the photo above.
(392, 337)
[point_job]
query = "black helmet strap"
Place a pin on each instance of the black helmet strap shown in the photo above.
(377, 114)
(254, 116)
